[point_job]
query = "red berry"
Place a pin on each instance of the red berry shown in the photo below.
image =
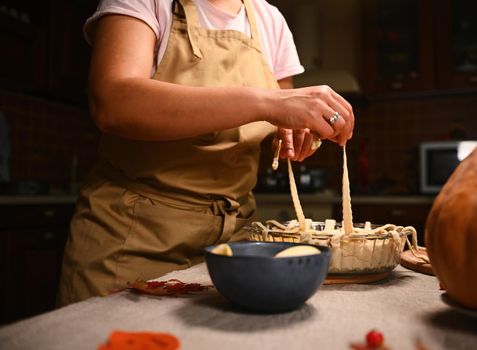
(374, 339)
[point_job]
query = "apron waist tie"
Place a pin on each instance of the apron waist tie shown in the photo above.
(228, 209)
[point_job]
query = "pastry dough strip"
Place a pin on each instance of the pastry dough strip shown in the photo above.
(295, 199)
(347, 213)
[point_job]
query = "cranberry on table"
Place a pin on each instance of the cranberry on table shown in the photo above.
(374, 338)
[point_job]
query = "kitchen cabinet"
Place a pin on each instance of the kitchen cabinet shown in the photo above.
(398, 46)
(22, 48)
(328, 39)
(32, 240)
(68, 51)
(419, 45)
(42, 48)
(456, 44)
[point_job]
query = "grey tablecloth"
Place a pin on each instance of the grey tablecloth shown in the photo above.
(403, 307)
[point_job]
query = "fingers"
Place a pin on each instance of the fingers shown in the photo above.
(306, 148)
(288, 149)
(342, 127)
(298, 138)
(324, 128)
(347, 131)
(297, 144)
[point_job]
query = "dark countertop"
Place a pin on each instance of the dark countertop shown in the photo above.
(37, 199)
(332, 198)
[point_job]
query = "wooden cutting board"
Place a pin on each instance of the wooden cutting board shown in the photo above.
(408, 260)
(357, 278)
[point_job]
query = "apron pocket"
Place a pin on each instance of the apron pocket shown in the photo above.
(163, 238)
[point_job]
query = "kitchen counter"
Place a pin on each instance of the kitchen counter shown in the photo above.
(332, 198)
(403, 307)
(36, 199)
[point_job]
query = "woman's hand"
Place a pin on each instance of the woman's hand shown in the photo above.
(311, 110)
(297, 144)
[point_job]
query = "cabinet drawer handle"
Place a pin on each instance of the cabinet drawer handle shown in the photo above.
(48, 236)
(49, 213)
(397, 212)
(397, 85)
(473, 79)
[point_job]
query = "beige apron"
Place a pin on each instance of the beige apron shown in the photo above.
(152, 207)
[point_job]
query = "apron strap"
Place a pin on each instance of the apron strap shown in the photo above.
(192, 19)
(252, 22)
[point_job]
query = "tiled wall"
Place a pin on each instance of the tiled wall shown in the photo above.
(389, 132)
(45, 138)
(394, 130)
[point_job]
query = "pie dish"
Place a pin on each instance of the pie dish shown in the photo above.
(356, 249)
(368, 249)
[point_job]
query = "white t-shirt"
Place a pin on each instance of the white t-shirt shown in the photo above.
(276, 38)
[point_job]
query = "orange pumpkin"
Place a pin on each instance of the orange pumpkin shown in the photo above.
(451, 234)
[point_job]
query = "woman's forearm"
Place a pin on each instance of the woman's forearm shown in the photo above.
(146, 109)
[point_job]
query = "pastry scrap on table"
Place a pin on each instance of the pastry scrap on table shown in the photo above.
(172, 287)
(120, 340)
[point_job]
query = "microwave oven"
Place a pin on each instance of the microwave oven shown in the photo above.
(438, 161)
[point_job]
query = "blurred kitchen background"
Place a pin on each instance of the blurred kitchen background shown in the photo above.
(408, 67)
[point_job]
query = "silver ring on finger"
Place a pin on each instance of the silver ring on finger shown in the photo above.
(334, 118)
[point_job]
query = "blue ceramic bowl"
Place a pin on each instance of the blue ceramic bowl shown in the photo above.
(254, 280)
